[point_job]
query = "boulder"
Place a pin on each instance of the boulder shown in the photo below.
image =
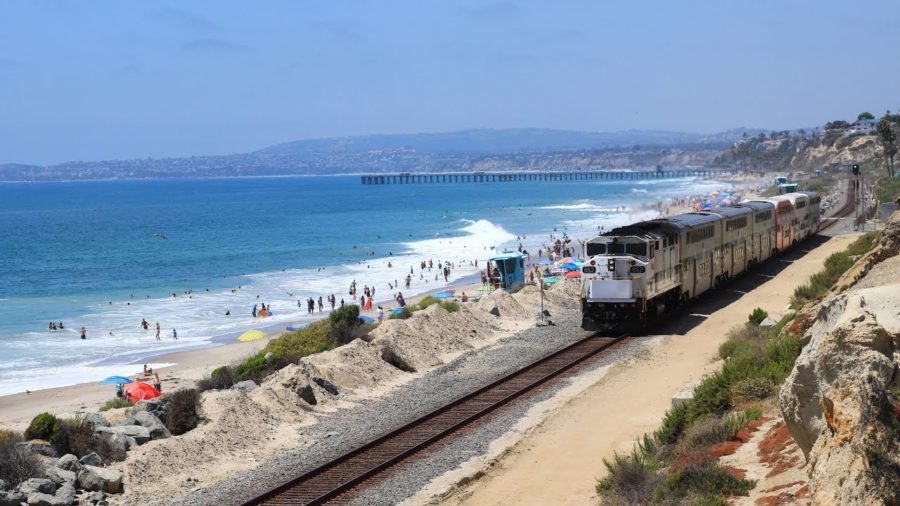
(100, 479)
(68, 462)
(37, 447)
(155, 406)
(39, 499)
(268, 357)
(118, 442)
(91, 459)
(96, 419)
(685, 394)
(306, 393)
(140, 434)
(60, 476)
(153, 424)
(245, 386)
(10, 498)
(32, 485)
(66, 493)
(326, 385)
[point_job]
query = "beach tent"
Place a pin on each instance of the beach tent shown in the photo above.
(251, 335)
(115, 380)
(367, 319)
(140, 391)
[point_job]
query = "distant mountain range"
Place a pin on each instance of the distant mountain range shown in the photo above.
(479, 149)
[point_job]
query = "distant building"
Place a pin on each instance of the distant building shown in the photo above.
(863, 126)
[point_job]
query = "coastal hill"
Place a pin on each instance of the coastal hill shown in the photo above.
(466, 150)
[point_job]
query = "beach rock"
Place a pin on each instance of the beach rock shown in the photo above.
(68, 462)
(91, 459)
(60, 476)
(326, 385)
(100, 478)
(153, 424)
(32, 485)
(245, 386)
(96, 419)
(140, 434)
(685, 394)
(268, 357)
(39, 499)
(118, 442)
(10, 498)
(306, 393)
(66, 493)
(37, 447)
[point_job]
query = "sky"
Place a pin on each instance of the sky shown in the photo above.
(110, 79)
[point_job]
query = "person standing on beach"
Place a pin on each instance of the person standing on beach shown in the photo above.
(157, 384)
(157, 331)
(332, 300)
(83, 333)
(320, 303)
(400, 300)
(254, 310)
(380, 314)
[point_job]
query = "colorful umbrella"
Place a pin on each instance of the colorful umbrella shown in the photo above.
(115, 380)
(140, 391)
(571, 266)
(252, 335)
(573, 274)
(551, 280)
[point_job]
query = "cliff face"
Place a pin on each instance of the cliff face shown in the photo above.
(837, 402)
(843, 151)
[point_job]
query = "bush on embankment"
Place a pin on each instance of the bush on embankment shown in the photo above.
(835, 265)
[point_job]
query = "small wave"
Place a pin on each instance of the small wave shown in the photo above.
(581, 206)
(638, 190)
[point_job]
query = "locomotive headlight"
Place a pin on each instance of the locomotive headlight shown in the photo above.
(611, 264)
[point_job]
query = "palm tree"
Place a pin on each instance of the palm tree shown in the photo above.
(888, 141)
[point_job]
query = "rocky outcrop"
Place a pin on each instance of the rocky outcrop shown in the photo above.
(837, 401)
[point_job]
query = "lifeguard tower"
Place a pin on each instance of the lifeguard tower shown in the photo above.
(506, 270)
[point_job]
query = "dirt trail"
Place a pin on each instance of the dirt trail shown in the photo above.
(560, 461)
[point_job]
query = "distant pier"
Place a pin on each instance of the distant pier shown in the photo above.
(510, 177)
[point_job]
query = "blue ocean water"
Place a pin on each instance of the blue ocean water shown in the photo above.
(107, 254)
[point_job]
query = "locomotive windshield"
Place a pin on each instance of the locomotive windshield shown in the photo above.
(596, 248)
(617, 248)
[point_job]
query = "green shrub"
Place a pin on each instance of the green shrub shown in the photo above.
(6, 434)
(78, 435)
(711, 430)
(182, 411)
(116, 403)
(219, 379)
(758, 316)
(16, 466)
(44, 426)
(312, 339)
(450, 307)
(428, 300)
(673, 424)
(751, 389)
(346, 325)
(402, 315)
(632, 478)
(704, 481)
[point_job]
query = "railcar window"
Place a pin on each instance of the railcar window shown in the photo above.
(801, 204)
(736, 224)
(596, 248)
(764, 216)
(639, 249)
(700, 234)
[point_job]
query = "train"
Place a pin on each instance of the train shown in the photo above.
(636, 273)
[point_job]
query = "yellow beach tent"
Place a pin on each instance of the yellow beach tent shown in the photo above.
(252, 335)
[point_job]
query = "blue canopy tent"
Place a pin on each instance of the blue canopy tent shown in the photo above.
(366, 318)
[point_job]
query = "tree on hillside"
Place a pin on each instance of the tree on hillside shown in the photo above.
(888, 141)
(865, 115)
(837, 125)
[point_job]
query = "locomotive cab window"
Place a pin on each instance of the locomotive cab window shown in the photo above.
(596, 248)
(639, 249)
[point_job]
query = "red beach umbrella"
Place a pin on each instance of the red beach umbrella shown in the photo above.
(140, 391)
(573, 274)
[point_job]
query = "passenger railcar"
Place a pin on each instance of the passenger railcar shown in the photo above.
(640, 271)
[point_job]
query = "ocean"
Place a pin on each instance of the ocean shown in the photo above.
(105, 255)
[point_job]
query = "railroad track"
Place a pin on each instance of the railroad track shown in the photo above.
(334, 481)
(845, 210)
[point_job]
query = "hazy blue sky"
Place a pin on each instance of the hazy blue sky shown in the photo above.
(101, 80)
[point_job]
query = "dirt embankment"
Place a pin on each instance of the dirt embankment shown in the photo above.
(840, 402)
(241, 430)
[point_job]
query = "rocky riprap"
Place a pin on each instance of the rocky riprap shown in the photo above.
(69, 480)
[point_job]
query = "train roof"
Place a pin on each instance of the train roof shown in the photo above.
(809, 194)
(730, 211)
(779, 198)
(651, 227)
(758, 205)
(794, 196)
(690, 220)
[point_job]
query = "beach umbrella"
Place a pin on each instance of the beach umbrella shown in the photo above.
(566, 260)
(485, 288)
(115, 380)
(251, 335)
(367, 319)
(551, 280)
(573, 274)
(571, 266)
(444, 295)
(139, 391)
